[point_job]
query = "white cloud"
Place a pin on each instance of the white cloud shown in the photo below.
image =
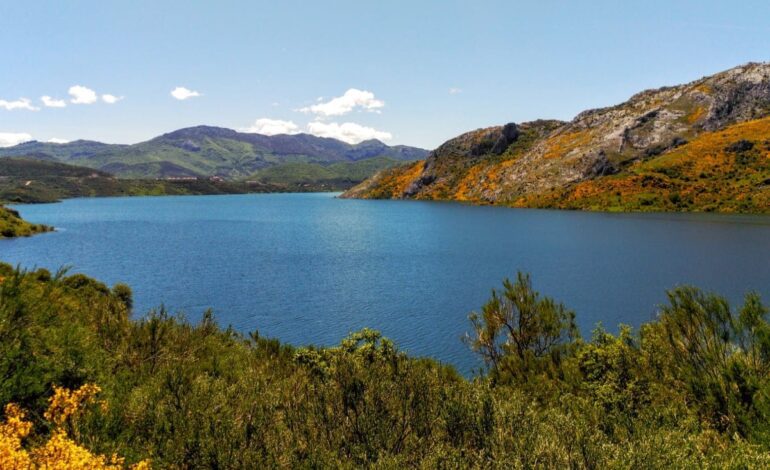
(9, 139)
(49, 102)
(455, 91)
(349, 132)
(352, 99)
(54, 140)
(111, 99)
(21, 103)
(182, 93)
(267, 126)
(82, 95)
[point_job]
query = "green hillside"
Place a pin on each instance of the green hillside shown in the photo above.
(336, 175)
(205, 151)
(31, 181)
(75, 150)
(24, 180)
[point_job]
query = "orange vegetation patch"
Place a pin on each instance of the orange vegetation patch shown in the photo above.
(620, 187)
(561, 144)
(392, 183)
(494, 177)
(704, 174)
(697, 113)
(482, 180)
(407, 177)
(469, 183)
(708, 149)
(703, 88)
(496, 172)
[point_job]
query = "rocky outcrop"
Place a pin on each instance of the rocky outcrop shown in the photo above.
(519, 162)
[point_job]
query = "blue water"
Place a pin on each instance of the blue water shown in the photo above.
(309, 268)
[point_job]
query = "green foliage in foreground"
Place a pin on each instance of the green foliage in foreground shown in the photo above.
(690, 390)
(12, 225)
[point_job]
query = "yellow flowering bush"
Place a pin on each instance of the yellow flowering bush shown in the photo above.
(66, 403)
(59, 452)
(12, 431)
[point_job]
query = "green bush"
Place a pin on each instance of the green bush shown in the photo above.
(689, 390)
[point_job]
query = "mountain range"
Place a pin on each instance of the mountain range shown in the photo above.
(701, 146)
(206, 151)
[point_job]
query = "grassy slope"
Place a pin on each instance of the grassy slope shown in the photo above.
(31, 168)
(216, 156)
(79, 149)
(336, 175)
(235, 159)
(144, 160)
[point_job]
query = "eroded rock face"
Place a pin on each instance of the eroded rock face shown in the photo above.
(508, 135)
(415, 187)
(655, 117)
(461, 151)
(492, 140)
(502, 163)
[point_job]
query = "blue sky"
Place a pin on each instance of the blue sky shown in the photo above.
(421, 71)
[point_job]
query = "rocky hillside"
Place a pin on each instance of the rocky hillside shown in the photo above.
(700, 146)
(210, 151)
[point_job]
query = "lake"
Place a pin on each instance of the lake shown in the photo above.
(309, 268)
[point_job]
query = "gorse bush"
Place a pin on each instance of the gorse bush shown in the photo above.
(689, 390)
(721, 357)
(521, 334)
(60, 451)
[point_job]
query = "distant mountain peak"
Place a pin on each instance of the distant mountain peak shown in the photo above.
(200, 131)
(367, 142)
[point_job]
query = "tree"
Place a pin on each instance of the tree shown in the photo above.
(518, 332)
(721, 356)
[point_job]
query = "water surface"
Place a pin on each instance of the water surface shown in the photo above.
(309, 268)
